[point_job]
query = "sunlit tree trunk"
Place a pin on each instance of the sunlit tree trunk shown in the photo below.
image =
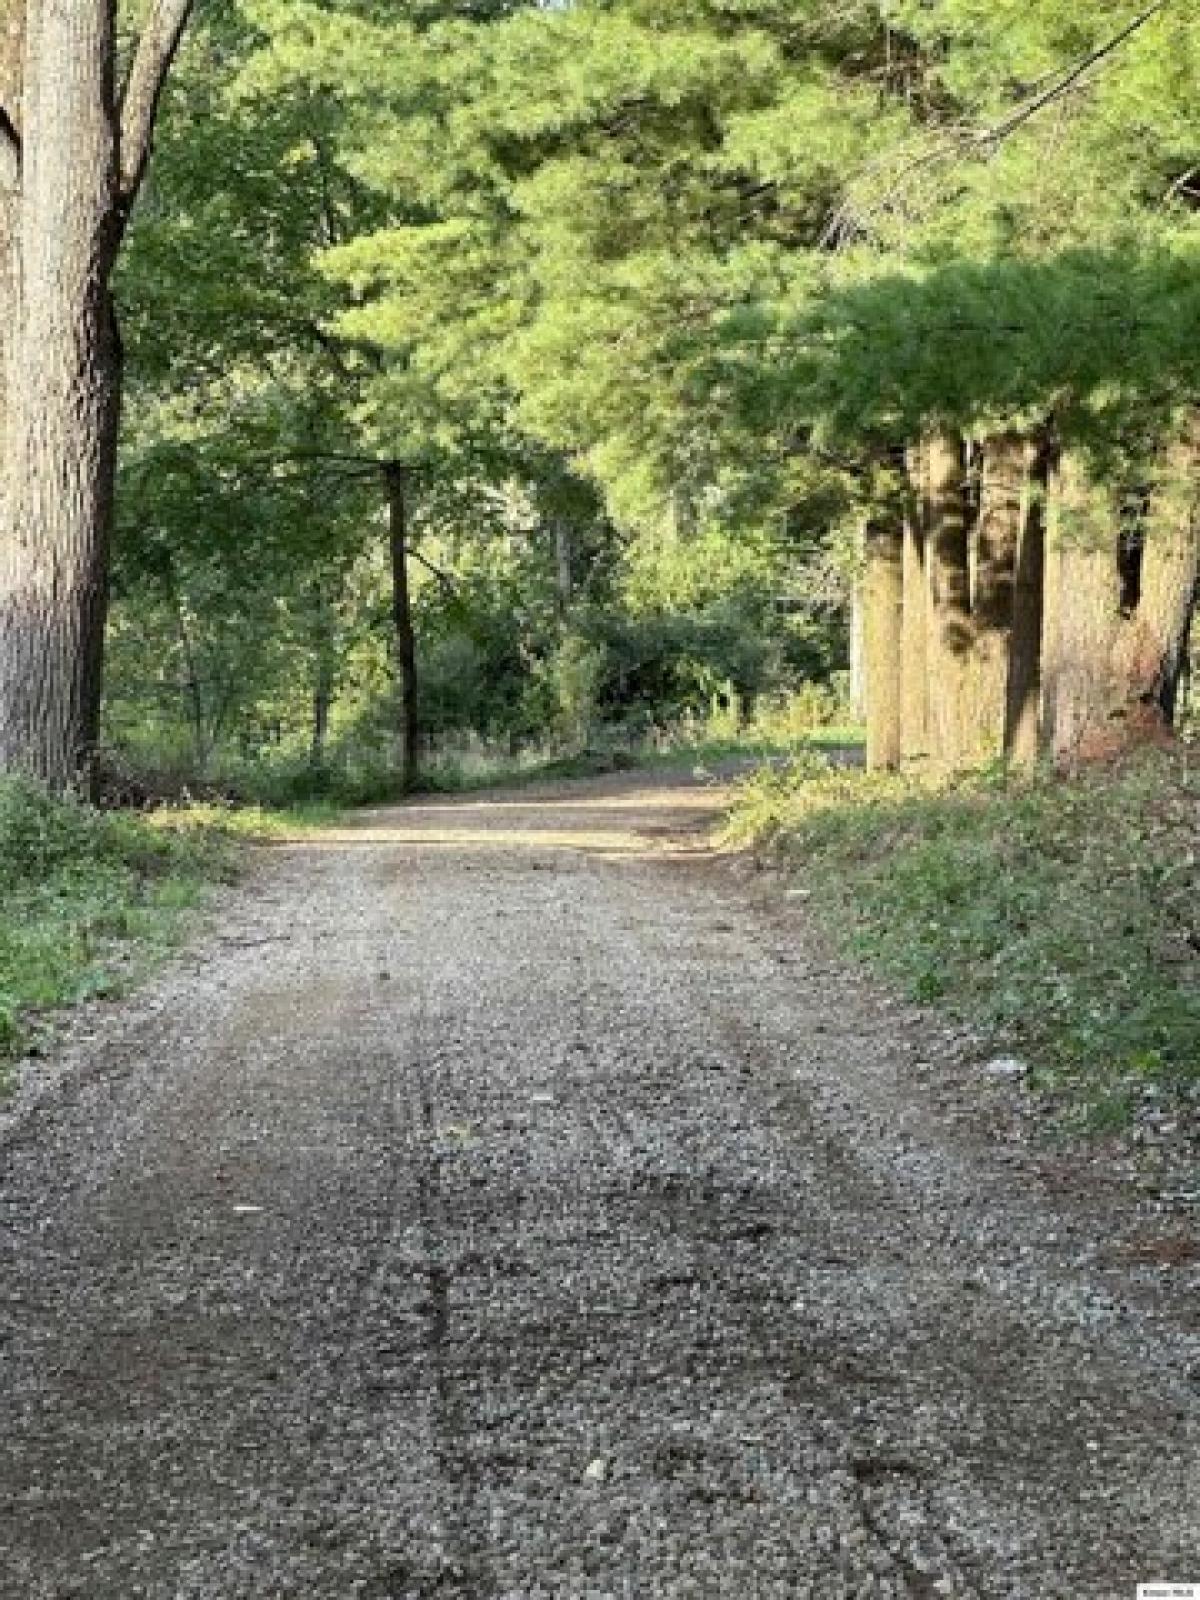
(914, 634)
(1084, 614)
(12, 55)
(883, 598)
(858, 666)
(949, 633)
(408, 732)
(1121, 614)
(1152, 650)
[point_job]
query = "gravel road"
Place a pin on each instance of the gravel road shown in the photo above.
(509, 1197)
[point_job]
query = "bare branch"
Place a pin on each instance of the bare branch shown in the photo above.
(152, 62)
(447, 582)
(10, 155)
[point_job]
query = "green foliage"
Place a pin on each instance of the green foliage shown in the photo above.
(83, 893)
(671, 273)
(1062, 915)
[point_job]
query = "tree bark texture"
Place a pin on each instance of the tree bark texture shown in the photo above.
(63, 210)
(1153, 644)
(408, 733)
(914, 637)
(12, 56)
(62, 399)
(883, 599)
(1084, 614)
(949, 632)
(1005, 469)
(1023, 690)
(858, 676)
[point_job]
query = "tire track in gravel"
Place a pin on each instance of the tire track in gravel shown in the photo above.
(511, 1200)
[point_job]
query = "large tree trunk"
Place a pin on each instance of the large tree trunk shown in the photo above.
(950, 634)
(408, 733)
(1024, 687)
(67, 186)
(1118, 611)
(882, 608)
(1082, 693)
(1153, 646)
(62, 401)
(12, 55)
(1006, 463)
(914, 640)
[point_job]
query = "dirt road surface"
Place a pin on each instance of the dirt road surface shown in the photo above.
(509, 1198)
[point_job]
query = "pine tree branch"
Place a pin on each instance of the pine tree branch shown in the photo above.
(1064, 84)
(140, 98)
(848, 220)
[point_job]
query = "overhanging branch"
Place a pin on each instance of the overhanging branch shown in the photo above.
(152, 61)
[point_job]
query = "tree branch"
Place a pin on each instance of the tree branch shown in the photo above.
(849, 220)
(140, 98)
(444, 578)
(1056, 90)
(10, 154)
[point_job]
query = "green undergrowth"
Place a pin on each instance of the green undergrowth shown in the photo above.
(1062, 915)
(89, 898)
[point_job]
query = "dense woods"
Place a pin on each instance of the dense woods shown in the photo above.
(493, 372)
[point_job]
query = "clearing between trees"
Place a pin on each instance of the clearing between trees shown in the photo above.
(514, 1197)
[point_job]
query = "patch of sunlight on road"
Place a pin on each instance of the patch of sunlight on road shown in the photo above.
(641, 822)
(607, 842)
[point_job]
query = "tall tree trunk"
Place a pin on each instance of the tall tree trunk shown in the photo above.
(408, 734)
(67, 186)
(1121, 612)
(1152, 651)
(950, 634)
(62, 401)
(12, 56)
(190, 687)
(1084, 612)
(914, 639)
(564, 576)
(883, 599)
(1024, 687)
(1003, 487)
(858, 654)
(323, 675)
